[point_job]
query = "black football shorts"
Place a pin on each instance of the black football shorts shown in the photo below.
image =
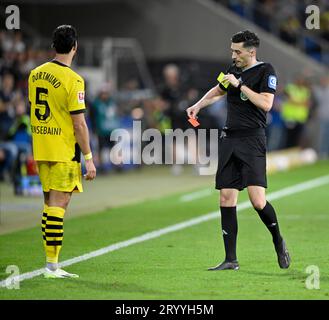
(241, 162)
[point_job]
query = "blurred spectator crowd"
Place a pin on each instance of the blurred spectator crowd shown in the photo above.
(15, 63)
(297, 104)
(286, 19)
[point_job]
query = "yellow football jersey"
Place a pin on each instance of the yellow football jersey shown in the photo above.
(55, 92)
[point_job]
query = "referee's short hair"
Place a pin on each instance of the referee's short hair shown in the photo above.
(249, 39)
(64, 38)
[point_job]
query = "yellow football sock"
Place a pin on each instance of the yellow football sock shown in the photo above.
(43, 224)
(54, 233)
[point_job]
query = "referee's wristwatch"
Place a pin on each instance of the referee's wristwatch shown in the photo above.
(240, 84)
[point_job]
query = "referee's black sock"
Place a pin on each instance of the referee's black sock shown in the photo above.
(230, 231)
(268, 216)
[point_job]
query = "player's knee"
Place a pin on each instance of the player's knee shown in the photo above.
(64, 201)
(227, 200)
(61, 203)
(258, 204)
(59, 199)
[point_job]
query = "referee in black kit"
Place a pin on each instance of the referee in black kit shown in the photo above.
(242, 144)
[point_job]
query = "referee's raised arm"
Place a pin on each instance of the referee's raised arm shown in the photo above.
(213, 95)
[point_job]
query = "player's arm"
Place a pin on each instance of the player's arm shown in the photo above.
(76, 107)
(263, 100)
(82, 137)
(213, 95)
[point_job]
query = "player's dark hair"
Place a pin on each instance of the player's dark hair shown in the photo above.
(64, 38)
(249, 39)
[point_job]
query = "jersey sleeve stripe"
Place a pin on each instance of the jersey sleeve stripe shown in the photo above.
(78, 111)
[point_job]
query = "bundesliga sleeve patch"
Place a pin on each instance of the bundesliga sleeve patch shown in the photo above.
(272, 82)
(81, 97)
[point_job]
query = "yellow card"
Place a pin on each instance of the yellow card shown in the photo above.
(225, 83)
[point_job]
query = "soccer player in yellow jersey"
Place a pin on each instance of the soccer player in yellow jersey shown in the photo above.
(59, 133)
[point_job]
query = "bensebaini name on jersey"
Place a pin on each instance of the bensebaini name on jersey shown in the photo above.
(46, 130)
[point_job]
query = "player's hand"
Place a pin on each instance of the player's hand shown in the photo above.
(193, 111)
(91, 170)
(231, 79)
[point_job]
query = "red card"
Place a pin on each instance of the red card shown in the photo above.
(193, 122)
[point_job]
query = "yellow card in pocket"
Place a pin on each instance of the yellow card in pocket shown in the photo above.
(220, 78)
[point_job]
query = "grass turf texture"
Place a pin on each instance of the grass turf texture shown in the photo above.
(174, 266)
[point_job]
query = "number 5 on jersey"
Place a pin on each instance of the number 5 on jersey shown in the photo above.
(42, 109)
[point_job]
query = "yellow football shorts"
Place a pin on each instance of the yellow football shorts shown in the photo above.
(60, 176)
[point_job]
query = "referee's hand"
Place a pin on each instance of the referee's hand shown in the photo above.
(91, 170)
(232, 80)
(193, 111)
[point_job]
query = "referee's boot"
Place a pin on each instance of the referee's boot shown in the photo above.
(226, 265)
(283, 255)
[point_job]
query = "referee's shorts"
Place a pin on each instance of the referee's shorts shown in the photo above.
(242, 159)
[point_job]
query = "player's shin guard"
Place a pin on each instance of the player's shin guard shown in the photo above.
(268, 216)
(54, 233)
(230, 230)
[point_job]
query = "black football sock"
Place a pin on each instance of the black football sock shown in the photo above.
(230, 230)
(268, 216)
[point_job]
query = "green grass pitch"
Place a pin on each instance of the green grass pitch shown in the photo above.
(174, 265)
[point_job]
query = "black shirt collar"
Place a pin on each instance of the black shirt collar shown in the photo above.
(59, 63)
(253, 66)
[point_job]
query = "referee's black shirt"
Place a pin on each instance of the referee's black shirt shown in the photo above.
(241, 112)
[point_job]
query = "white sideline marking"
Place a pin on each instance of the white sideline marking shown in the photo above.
(179, 226)
(196, 195)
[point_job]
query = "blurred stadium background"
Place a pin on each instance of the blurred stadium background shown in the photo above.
(148, 60)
